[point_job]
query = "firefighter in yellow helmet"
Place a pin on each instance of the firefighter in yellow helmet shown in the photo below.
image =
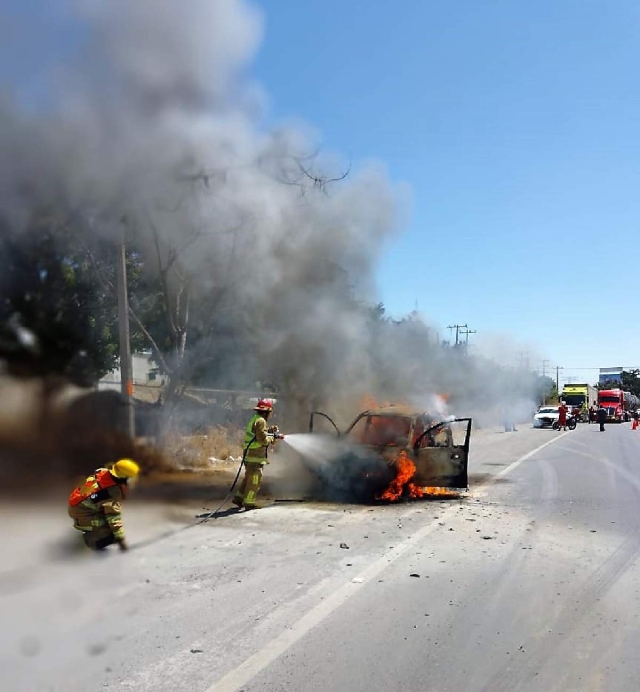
(95, 506)
(257, 440)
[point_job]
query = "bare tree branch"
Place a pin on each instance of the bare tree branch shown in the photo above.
(165, 282)
(154, 346)
(321, 181)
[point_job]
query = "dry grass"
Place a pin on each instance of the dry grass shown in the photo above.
(203, 451)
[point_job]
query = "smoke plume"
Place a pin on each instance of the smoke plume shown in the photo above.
(149, 120)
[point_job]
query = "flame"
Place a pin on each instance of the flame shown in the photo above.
(406, 470)
(368, 402)
(431, 491)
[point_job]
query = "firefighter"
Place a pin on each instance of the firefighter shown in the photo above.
(257, 440)
(95, 505)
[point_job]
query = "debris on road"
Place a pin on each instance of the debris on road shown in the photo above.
(415, 575)
(344, 546)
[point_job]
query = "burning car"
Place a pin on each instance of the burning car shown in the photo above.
(395, 451)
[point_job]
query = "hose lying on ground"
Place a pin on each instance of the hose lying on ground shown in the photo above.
(201, 518)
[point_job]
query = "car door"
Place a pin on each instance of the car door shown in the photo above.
(441, 455)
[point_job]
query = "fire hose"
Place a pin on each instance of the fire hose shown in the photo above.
(203, 518)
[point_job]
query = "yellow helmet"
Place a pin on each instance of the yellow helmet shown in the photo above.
(125, 468)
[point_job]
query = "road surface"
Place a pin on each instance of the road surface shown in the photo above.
(529, 583)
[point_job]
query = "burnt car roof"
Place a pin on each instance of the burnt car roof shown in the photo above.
(399, 410)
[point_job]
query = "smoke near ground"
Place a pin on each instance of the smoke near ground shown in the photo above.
(149, 122)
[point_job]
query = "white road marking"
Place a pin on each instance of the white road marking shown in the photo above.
(528, 455)
(255, 664)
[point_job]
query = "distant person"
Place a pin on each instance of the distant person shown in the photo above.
(562, 416)
(95, 506)
(509, 425)
(602, 417)
(592, 414)
(507, 417)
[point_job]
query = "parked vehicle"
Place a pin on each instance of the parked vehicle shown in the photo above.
(579, 397)
(618, 404)
(545, 417)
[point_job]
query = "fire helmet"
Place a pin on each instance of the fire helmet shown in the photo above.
(264, 405)
(125, 468)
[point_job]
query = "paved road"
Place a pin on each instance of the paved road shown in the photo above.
(530, 583)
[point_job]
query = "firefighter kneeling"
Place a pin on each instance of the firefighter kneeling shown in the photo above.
(257, 440)
(95, 506)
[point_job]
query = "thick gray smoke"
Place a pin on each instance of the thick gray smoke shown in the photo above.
(151, 123)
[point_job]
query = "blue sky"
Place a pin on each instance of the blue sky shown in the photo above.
(516, 126)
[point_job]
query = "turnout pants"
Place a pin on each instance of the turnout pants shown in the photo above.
(246, 493)
(96, 532)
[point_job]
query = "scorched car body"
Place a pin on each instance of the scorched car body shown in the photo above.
(439, 449)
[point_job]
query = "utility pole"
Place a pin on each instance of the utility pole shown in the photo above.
(458, 327)
(466, 333)
(558, 368)
(126, 375)
(545, 362)
(524, 360)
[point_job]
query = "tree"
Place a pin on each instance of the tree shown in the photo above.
(50, 285)
(631, 382)
(546, 390)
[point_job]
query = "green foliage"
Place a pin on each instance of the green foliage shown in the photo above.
(631, 381)
(49, 282)
(546, 389)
